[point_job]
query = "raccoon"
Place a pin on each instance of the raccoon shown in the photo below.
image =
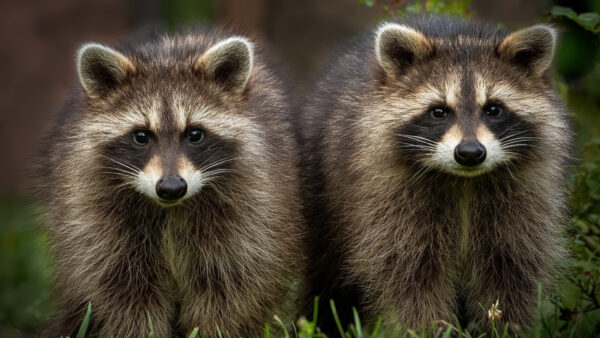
(170, 186)
(439, 154)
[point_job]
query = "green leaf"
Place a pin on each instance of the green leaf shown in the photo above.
(589, 20)
(564, 11)
(570, 295)
(86, 322)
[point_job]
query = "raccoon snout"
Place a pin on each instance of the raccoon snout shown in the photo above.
(171, 188)
(470, 154)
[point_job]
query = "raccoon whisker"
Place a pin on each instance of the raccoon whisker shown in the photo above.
(118, 174)
(419, 145)
(418, 138)
(217, 172)
(519, 138)
(123, 185)
(510, 129)
(130, 166)
(416, 146)
(212, 165)
(419, 173)
(120, 171)
(516, 145)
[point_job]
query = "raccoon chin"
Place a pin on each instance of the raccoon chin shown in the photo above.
(468, 172)
(168, 204)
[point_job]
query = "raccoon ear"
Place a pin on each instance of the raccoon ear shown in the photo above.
(531, 48)
(101, 68)
(399, 46)
(229, 62)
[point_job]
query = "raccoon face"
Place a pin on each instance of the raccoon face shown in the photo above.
(466, 106)
(166, 130)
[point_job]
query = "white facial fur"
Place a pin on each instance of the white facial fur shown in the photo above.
(146, 179)
(443, 156)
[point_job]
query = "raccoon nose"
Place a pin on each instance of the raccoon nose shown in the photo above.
(171, 188)
(469, 153)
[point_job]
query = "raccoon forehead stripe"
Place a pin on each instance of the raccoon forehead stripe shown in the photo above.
(481, 92)
(153, 114)
(452, 84)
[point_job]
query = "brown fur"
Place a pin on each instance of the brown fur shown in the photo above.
(407, 241)
(227, 257)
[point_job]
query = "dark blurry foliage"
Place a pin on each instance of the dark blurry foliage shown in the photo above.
(185, 12)
(25, 267)
(399, 8)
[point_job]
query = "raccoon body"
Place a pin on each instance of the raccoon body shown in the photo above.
(170, 185)
(439, 152)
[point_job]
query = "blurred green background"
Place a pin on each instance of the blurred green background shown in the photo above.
(40, 38)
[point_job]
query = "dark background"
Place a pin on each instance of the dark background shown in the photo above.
(39, 40)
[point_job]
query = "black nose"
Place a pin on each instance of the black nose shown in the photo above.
(469, 153)
(171, 187)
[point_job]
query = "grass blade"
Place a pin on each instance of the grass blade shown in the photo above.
(338, 323)
(150, 324)
(448, 332)
(85, 323)
(278, 320)
(315, 309)
(267, 331)
(357, 323)
(194, 333)
(377, 327)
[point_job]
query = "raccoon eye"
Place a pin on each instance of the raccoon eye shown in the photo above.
(438, 113)
(493, 110)
(141, 137)
(196, 136)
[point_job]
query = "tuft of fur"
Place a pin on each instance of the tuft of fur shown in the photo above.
(224, 257)
(397, 227)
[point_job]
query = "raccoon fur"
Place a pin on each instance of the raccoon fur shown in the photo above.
(171, 189)
(438, 153)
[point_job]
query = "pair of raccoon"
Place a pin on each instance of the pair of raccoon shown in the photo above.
(424, 175)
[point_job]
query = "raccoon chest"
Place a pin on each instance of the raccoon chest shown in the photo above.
(180, 257)
(465, 212)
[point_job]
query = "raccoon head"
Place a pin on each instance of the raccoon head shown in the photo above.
(468, 103)
(165, 126)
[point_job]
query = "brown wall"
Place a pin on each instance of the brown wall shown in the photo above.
(38, 40)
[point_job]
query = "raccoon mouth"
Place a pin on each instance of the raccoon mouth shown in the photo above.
(169, 203)
(468, 171)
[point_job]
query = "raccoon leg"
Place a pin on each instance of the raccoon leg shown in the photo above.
(411, 282)
(122, 286)
(421, 288)
(510, 258)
